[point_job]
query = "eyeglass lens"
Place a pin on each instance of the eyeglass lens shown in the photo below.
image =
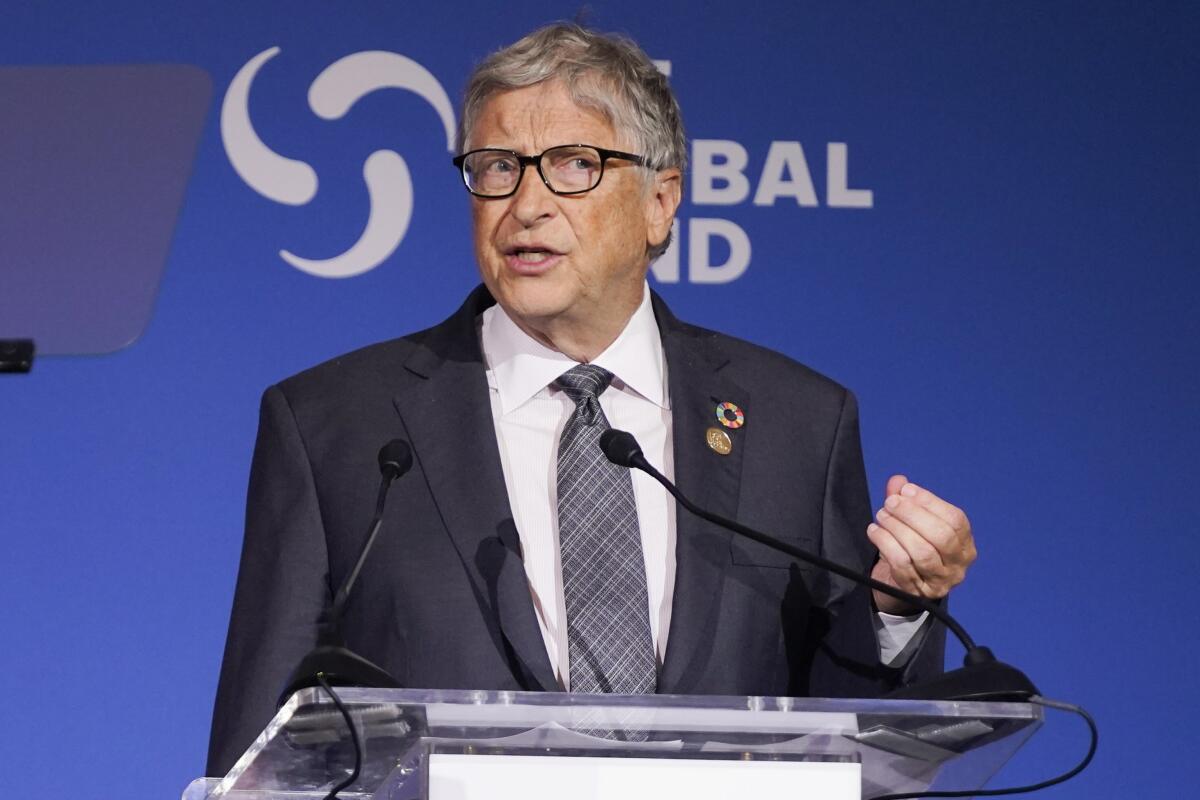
(567, 169)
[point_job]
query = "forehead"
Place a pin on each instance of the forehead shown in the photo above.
(534, 118)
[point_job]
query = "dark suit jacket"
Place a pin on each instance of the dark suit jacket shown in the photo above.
(444, 603)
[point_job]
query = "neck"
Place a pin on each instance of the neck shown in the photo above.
(582, 343)
(583, 337)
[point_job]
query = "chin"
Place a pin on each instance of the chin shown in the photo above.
(532, 299)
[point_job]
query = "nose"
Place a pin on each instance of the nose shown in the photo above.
(533, 201)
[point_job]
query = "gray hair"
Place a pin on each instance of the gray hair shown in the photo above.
(607, 73)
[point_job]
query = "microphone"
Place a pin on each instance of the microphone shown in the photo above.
(982, 677)
(395, 458)
(330, 658)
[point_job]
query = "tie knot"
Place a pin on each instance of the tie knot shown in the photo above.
(584, 380)
(584, 384)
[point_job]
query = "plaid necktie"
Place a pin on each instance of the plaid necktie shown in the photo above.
(604, 575)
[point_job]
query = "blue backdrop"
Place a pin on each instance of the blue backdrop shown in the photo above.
(980, 217)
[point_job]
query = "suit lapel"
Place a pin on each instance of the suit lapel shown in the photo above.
(697, 385)
(454, 441)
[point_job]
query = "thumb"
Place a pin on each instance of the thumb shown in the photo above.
(895, 484)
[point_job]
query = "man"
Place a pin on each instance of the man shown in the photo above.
(514, 555)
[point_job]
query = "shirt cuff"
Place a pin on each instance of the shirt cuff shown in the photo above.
(898, 637)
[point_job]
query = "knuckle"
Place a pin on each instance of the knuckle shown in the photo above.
(942, 533)
(927, 561)
(902, 569)
(929, 590)
(900, 559)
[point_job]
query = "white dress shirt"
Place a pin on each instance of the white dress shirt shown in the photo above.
(529, 415)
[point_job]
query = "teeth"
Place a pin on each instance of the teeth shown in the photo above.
(532, 255)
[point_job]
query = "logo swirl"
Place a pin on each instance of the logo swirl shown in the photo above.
(293, 182)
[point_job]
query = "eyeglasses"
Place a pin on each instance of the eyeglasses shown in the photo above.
(566, 169)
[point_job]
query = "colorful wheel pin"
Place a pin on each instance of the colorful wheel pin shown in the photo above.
(729, 415)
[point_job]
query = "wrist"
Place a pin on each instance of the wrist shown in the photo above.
(887, 604)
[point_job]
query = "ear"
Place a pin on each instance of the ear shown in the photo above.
(662, 202)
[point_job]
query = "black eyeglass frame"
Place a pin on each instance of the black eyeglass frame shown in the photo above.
(536, 161)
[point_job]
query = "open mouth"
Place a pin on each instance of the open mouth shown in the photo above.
(533, 256)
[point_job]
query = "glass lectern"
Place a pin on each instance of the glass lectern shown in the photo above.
(456, 745)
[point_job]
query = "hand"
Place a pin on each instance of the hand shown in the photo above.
(925, 545)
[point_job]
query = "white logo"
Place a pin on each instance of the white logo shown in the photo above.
(332, 94)
(719, 178)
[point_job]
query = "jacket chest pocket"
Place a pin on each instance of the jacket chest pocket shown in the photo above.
(749, 553)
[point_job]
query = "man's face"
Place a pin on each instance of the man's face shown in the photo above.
(565, 264)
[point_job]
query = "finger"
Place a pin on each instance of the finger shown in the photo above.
(929, 526)
(960, 547)
(894, 485)
(925, 558)
(899, 564)
(952, 514)
(903, 572)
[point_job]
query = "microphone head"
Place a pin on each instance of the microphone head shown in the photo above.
(620, 448)
(395, 458)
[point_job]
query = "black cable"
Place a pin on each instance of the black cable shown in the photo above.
(358, 753)
(1033, 787)
(934, 609)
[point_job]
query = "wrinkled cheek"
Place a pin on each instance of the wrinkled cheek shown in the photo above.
(484, 250)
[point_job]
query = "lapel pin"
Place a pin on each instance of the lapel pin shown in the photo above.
(718, 441)
(729, 415)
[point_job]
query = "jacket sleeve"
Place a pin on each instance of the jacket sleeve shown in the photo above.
(846, 663)
(282, 585)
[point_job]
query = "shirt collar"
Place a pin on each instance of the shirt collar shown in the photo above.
(519, 366)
